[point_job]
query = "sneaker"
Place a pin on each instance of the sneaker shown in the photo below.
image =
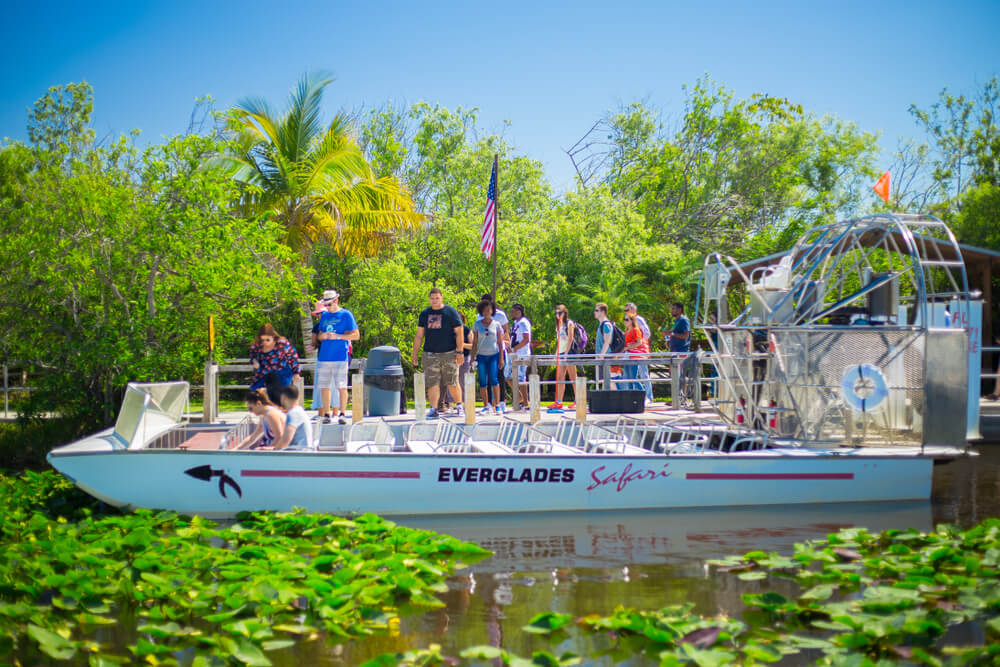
(341, 420)
(502, 407)
(326, 419)
(650, 402)
(431, 414)
(488, 410)
(458, 411)
(556, 406)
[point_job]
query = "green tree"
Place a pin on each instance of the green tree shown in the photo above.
(733, 167)
(114, 259)
(965, 134)
(313, 180)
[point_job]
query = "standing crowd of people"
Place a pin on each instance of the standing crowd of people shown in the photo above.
(446, 348)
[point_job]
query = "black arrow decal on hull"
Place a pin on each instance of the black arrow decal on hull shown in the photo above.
(206, 473)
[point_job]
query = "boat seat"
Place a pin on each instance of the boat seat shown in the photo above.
(370, 437)
(491, 447)
(330, 437)
(420, 446)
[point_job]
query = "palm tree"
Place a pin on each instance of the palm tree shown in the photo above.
(313, 179)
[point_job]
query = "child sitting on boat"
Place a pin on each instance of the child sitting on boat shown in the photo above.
(297, 434)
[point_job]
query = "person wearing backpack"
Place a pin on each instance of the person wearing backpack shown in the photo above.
(568, 342)
(607, 338)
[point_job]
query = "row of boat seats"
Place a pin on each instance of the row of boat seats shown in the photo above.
(584, 437)
(687, 435)
(444, 437)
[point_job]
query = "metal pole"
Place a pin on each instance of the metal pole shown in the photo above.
(496, 223)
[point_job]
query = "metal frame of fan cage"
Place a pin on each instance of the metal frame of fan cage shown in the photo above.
(841, 342)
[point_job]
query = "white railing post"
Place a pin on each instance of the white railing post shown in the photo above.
(419, 397)
(534, 398)
(675, 383)
(209, 406)
(357, 398)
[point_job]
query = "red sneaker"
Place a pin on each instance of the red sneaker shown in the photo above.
(556, 406)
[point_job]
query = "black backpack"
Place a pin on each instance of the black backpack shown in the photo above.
(617, 338)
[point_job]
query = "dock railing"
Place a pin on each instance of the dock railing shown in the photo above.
(212, 386)
(664, 367)
(15, 381)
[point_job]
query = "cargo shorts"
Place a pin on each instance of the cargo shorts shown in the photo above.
(440, 368)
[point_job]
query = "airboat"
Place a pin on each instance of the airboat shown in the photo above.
(841, 371)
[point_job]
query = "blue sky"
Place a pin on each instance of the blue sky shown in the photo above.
(550, 68)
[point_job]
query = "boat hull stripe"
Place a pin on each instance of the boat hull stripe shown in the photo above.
(341, 474)
(770, 475)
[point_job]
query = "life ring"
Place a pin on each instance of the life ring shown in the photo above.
(863, 387)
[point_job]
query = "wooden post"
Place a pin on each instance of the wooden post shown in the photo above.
(534, 398)
(419, 397)
(470, 398)
(580, 396)
(357, 398)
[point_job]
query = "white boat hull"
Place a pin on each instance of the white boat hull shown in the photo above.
(416, 484)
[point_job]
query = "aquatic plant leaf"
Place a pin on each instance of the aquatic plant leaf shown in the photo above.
(52, 644)
(482, 652)
(819, 592)
(547, 622)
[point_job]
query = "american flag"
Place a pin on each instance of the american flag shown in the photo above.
(490, 219)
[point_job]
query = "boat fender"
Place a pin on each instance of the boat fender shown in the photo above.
(863, 377)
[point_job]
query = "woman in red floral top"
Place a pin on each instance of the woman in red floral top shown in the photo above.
(636, 345)
(274, 360)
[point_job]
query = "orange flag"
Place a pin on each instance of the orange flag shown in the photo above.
(881, 187)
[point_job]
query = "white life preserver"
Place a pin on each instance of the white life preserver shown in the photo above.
(863, 387)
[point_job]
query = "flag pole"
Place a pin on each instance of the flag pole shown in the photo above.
(496, 224)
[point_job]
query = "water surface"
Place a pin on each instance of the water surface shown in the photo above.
(590, 562)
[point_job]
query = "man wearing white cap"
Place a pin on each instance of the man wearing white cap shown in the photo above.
(332, 335)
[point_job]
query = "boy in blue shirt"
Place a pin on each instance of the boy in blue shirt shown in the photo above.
(332, 335)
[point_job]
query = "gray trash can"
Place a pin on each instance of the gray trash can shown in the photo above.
(383, 381)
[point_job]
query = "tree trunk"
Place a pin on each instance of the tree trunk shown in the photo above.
(306, 321)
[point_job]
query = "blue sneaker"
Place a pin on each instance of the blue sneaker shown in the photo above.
(431, 414)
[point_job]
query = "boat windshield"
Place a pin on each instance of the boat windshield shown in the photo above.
(149, 409)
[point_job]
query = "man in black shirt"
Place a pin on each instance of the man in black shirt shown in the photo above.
(440, 330)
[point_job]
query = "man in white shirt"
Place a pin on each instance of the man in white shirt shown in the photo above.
(520, 346)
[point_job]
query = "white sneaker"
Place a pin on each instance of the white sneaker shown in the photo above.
(488, 410)
(458, 411)
(502, 408)
(650, 402)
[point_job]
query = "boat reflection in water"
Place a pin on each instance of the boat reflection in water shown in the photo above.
(590, 562)
(544, 540)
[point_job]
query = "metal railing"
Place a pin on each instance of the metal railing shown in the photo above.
(657, 362)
